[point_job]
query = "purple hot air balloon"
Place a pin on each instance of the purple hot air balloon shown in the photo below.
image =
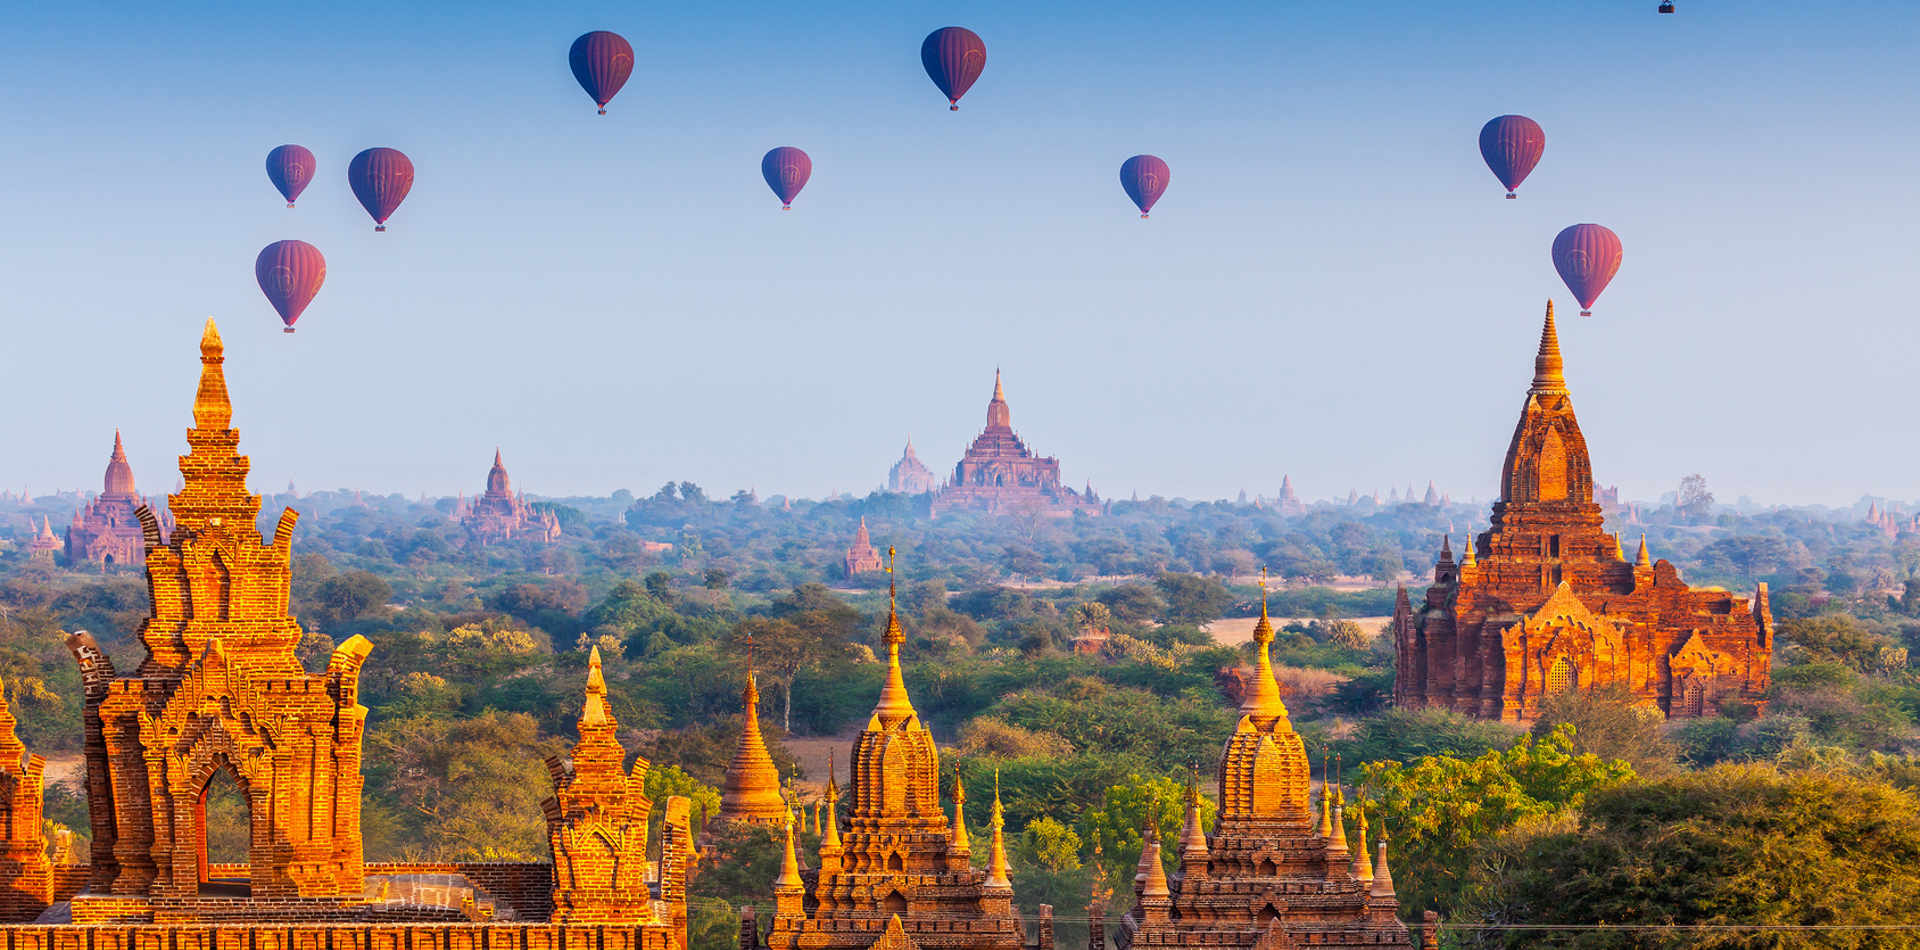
(1587, 256)
(290, 273)
(786, 170)
(290, 168)
(1512, 144)
(381, 178)
(1145, 178)
(954, 57)
(601, 61)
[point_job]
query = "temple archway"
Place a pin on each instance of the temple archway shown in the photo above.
(223, 834)
(1562, 675)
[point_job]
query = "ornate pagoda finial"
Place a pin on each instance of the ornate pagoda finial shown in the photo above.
(1362, 869)
(789, 861)
(1263, 701)
(597, 711)
(1467, 545)
(830, 838)
(1326, 794)
(894, 705)
(1643, 559)
(1548, 369)
(998, 873)
(959, 836)
(212, 409)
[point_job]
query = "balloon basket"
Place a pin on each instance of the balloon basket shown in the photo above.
(379, 227)
(603, 112)
(1143, 216)
(286, 330)
(786, 207)
(289, 204)
(953, 107)
(1511, 196)
(1586, 313)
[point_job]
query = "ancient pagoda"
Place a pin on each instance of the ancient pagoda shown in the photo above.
(861, 557)
(1547, 601)
(910, 476)
(899, 872)
(106, 531)
(500, 515)
(751, 790)
(1270, 876)
(999, 474)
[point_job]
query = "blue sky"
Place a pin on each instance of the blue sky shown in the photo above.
(1332, 286)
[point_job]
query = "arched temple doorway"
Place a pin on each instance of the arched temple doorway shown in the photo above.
(223, 833)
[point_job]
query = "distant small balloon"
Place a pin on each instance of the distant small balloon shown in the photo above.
(1145, 178)
(1512, 145)
(601, 62)
(381, 178)
(290, 168)
(290, 274)
(953, 57)
(1587, 256)
(786, 170)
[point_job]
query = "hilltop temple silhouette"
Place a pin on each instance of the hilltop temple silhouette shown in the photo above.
(106, 531)
(1546, 601)
(500, 515)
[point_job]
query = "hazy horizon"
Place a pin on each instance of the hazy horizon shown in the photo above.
(1331, 288)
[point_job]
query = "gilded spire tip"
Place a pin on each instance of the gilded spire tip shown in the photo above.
(1549, 374)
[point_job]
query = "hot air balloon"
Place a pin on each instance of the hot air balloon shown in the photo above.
(954, 57)
(290, 273)
(1587, 256)
(1512, 144)
(601, 61)
(786, 170)
(1145, 178)
(381, 178)
(290, 168)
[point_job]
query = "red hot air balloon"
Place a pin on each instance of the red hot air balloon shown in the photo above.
(290, 168)
(786, 170)
(381, 178)
(1512, 145)
(290, 273)
(1145, 178)
(1587, 256)
(601, 61)
(954, 57)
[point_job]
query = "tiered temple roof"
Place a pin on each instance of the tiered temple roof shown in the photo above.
(1545, 600)
(107, 531)
(1000, 474)
(500, 515)
(910, 476)
(861, 557)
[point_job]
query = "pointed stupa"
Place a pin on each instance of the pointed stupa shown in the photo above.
(1262, 703)
(1643, 559)
(1193, 837)
(789, 862)
(961, 842)
(998, 873)
(998, 414)
(1549, 372)
(118, 482)
(1619, 553)
(894, 705)
(1156, 880)
(751, 790)
(1339, 842)
(830, 838)
(595, 711)
(1382, 877)
(1362, 869)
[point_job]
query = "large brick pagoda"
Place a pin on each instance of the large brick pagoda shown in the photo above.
(500, 515)
(862, 557)
(1546, 600)
(1269, 877)
(106, 531)
(900, 875)
(999, 474)
(910, 476)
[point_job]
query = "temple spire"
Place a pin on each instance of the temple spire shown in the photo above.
(830, 838)
(998, 874)
(959, 836)
(596, 712)
(1382, 877)
(751, 789)
(894, 706)
(211, 407)
(1193, 838)
(1643, 559)
(789, 861)
(1263, 701)
(1156, 883)
(998, 414)
(1362, 861)
(1548, 369)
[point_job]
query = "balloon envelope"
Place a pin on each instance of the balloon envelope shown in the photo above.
(1587, 256)
(290, 273)
(954, 57)
(290, 168)
(1145, 178)
(381, 178)
(601, 61)
(1512, 145)
(786, 170)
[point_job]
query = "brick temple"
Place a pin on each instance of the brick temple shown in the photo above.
(999, 474)
(910, 476)
(900, 875)
(500, 515)
(1270, 876)
(750, 792)
(862, 557)
(221, 695)
(1546, 600)
(106, 531)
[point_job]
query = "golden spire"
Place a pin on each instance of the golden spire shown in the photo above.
(960, 842)
(211, 407)
(1548, 369)
(831, 837)
(751, 789)
(1326, 796)
(1339, 811)
(998, 393)
(1619, 553)
(789, 862)
(997, 871)
(1156, 884)
(1467, 545)
(1362, 869)
(596, 712)
(1643, 559)
(1263, 701)
(1193, 838)
(1382, 878)
(894, 706)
